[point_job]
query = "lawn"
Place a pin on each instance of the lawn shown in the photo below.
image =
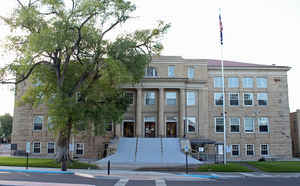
(277, 166)
(229, 167)
(39, 162)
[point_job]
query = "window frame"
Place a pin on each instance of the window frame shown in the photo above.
(54, 148)
(218, 84)
(106, 124)
(171, 71)
(82, 148)
(188, 123)
(238, 100)
(219, 124)
(239, 151)
(246, 82)
(268, 150)
(191, 72)
(260, 124)
(49, 123)
(258, 85)
(258, 95)
(252, 99)
(253, 124)
(152, 73)
(33, 147)
(239, 125)
(230, 85)
(188, 103)
(131, 98)
(34, 126)
(215, 100)
(246, 150)
(145, 98)
(171, 94)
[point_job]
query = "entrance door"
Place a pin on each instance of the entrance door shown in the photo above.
(128, 129)
(150, 129)
(171, 129)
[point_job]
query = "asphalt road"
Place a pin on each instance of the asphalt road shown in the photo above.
(35, 179)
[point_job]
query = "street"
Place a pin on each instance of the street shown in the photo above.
(37, 179)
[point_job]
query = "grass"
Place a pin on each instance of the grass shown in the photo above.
(229, 167)
(277, 166)
(39, 162)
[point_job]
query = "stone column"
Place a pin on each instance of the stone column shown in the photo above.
(181, 111)
(161, 103)
(139, 104)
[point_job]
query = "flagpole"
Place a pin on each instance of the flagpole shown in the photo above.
(223, 90)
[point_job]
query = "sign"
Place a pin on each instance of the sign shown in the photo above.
(27, 147)
(186, 148)
(201, 149)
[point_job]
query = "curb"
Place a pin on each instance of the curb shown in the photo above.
(200, 176)
(36, 171)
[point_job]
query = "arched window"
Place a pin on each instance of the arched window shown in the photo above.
(38, 122)
(151, 72)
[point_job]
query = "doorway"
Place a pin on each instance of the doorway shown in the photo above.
(150, 129)
(171, 129)
(128, 129)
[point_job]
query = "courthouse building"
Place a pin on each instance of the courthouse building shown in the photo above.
(183, 98)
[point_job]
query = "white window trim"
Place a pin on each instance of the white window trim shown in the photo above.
(216, 125)
(187, 93)
(76, 149)
(133, 100)
(253, 125)
(262, 78)
(238, 99)
(169, 74)
(247, 82)
(166, 100)
(54, 147)
(268, 148)
(253, 148)
(191, 69)
(145, 98)
(215, 82)
(187, 125)
(244, 99)
(215, 99)
(238, 151)
(239, 125)
(33, 147)
(42, 122)
(258, 100)
(233, 86)
(154, 71)
(258, 123)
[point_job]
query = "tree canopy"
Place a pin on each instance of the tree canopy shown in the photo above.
(76, 70)
(6, 125)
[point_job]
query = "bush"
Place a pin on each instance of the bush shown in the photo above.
(262, 159)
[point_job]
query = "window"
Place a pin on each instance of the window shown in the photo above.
(108, 126)
(190, 72)
(264, 149)
(51, 148)
(263, 124)
(219, 123)
(247, 83)
(249, 149)
(129, 95)
(248, 99)
(38, 122)
(218, 98)
(191, 124)
(234, 125)
(190, 98)
(233, 82)
(36, 147)
(150, 98)
(262, 99)
(218, 82)
(235, 150)
(151, 72)
(261, 83)
(234, 99)
(171, 98)
(249, 125)
(171, 71)
(50, 124)
(79, 148)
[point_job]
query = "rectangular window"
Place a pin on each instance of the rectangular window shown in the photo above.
(249, 149)
(263, 124)
(171, 71)
(79, 148)
(149, 98)
(262, 99)
(129, 96)
(191, 124)
(108, 126)
(249, 125)
(219, 123)
(218, 82)
(190, 98)
(51, 148)
(247, 83)
(38, 122)
(151, 72)
(234, 125)
(234, 99)
(264, 149)
(261, 83)
(171, 98)
(190, 72)
(233, 82)
(218, 98)
(235, 150)
(248, 99)
(36, 147)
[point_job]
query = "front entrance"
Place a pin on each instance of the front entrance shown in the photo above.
(171, 129)
(128, 129)
(150, 129)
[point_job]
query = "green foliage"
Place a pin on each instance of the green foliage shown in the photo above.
(6, 121)
(277, 166)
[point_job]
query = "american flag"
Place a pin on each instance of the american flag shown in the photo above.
(221, 29)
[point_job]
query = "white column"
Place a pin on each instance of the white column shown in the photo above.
(161, 123)
(138, 119)
(181, 111)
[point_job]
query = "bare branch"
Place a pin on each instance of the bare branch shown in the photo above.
(111, 27)
(21, 4)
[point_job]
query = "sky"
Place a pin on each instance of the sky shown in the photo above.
(255, 31)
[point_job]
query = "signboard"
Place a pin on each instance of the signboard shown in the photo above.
(27, 147)
(186, 148)
(201, 149)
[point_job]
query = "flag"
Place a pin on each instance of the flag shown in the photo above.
(221, 29)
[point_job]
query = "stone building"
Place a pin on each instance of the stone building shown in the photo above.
(295, 132)
(183, 98)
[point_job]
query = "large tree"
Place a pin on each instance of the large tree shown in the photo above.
(6, 126)
(63, 49)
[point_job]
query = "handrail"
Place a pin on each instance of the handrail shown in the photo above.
(136, 148)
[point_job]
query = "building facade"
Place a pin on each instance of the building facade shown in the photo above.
(183, 98)
(295, 132)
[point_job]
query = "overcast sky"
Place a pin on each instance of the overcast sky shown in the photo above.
(255, 31)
